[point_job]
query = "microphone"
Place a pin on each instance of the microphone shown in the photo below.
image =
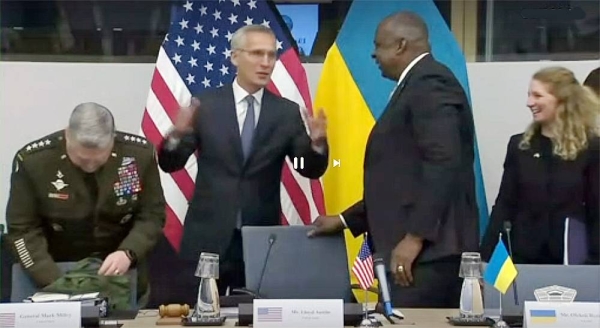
(383, 285)
(507, 228)
(272, 239)
(246, 291)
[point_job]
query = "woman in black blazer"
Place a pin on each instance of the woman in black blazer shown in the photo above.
(551, 173)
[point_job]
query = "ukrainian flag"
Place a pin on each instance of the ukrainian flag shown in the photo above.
(542, 316)
(500, 271)
(353, 94)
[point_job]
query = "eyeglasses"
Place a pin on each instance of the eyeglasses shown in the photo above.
(260, 54)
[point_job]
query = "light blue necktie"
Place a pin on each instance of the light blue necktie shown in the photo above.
(248, 128)
(247, 136)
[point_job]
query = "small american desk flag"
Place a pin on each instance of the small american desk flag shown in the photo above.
(363, 266)
(270, 314)
(194, 57)
(7, 320)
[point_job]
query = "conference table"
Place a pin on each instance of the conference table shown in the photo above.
(414, 318)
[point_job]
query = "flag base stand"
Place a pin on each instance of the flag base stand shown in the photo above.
(369, 323)
(193, 321)
(500, 324)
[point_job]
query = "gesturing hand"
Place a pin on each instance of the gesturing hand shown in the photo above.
(184, 122)
(115, 264)
(317, 125)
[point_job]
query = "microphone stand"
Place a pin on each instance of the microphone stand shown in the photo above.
(379, 307)
(507, 227)
(247, 295)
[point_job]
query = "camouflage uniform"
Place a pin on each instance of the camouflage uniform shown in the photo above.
(57, 212)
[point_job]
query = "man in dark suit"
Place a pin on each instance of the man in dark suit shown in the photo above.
(242, 133)
(419, 203)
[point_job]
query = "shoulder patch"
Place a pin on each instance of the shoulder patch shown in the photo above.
(133, 139)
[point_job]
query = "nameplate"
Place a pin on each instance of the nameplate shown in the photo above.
(562, 315)
(288, 313)
(40, 315)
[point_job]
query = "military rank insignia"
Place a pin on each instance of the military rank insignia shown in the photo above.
(129, 179)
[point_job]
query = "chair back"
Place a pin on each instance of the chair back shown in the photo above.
(575, 242)
(297, 266)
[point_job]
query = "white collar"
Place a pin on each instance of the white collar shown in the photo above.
(408, 68)
(239, 94)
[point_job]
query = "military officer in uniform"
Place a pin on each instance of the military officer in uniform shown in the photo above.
(85, 191)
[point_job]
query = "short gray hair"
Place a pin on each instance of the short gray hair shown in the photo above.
(92, 125)
(239, 37)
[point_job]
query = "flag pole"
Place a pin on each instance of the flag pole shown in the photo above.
(366, 304)
(500, 303)
(500, 323)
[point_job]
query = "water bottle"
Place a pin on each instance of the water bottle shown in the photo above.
(471, 301)
(207, 304)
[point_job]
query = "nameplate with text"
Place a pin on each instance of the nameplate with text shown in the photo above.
(40, 315)
(562, 315)
(291, 313)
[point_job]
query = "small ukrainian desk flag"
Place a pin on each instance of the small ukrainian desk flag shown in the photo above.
(500, 271)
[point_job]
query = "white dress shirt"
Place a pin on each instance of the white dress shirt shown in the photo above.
(407, 69)
(241, 105)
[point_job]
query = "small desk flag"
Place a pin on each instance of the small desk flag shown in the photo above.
(363, 266)
(500, 271)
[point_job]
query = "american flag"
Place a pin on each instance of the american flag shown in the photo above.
(195, 56)
(7, 320)
(363, 266)
(269, 314)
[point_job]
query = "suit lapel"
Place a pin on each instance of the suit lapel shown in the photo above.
(228, 117)
(395, 96)
(398, 91)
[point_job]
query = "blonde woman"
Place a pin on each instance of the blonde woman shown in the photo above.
(548, 198)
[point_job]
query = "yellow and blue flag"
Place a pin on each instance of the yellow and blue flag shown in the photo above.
(542, 316)
(353, 94)
(500, 271)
